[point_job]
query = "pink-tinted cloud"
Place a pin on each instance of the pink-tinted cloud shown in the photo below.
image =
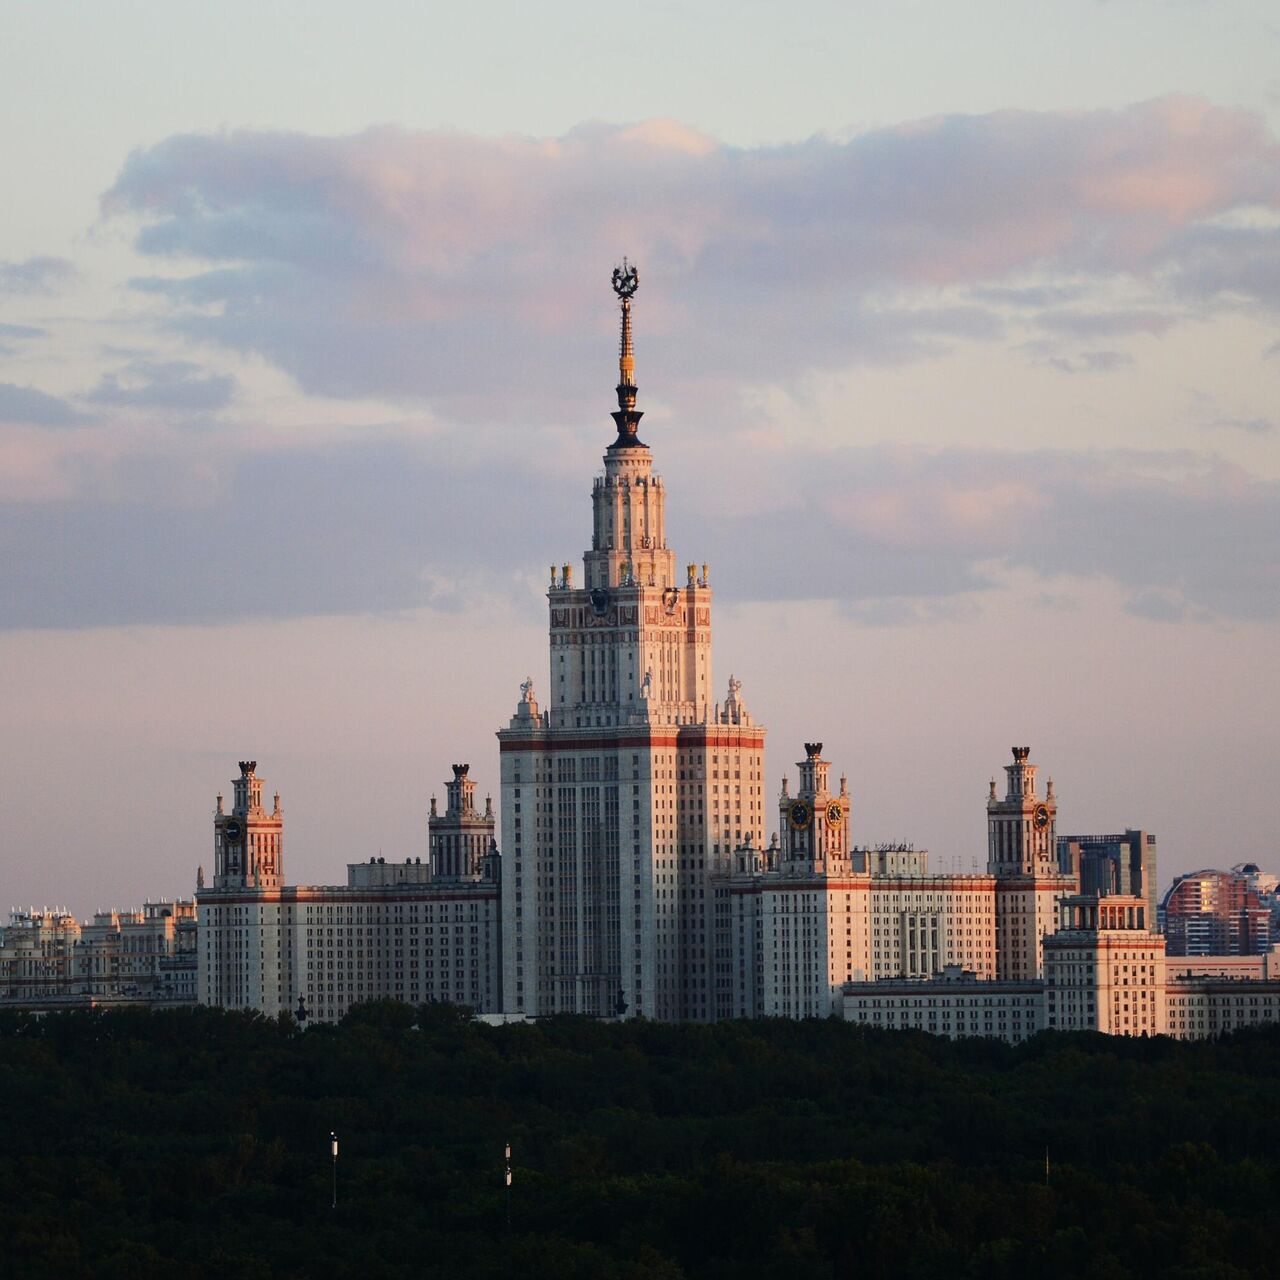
(385, 525)
(924, 507)
(431, 265)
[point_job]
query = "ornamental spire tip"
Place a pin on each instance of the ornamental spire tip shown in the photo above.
(626, 280)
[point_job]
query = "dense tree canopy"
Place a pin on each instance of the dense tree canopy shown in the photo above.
(195, 1142)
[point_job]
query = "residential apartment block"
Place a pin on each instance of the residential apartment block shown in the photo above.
(49, 959)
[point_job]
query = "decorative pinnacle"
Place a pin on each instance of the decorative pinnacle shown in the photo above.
(626, 279)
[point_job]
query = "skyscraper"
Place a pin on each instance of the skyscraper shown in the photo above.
(1120, 863)
(1215, 913)
(630, 784)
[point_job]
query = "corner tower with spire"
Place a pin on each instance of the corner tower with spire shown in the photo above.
(1022, 856)
(629, 782)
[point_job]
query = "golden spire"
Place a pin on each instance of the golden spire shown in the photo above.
(626, 279)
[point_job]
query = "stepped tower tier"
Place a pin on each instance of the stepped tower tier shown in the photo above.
(628, 782)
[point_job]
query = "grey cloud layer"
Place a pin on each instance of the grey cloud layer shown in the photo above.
(894, 534)
(164, 384)
(457, 272)
(36, 408)
(35, 275)
(458, 269)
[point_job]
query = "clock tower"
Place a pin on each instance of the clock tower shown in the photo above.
(248, 842)
(1022, 828)
(1022, 856)
(815, 823)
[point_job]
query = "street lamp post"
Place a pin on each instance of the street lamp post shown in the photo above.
(333, 1151)
(507, 1181)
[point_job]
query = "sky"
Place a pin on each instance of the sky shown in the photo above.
(957, 341)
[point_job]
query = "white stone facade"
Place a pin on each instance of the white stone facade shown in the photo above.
(1195, 1008)
(1104, 971)
(630, 785)
(411, 931)
(49, 959)
(635, 878)
(956, 1003)
(1104, 968)
(804, 916)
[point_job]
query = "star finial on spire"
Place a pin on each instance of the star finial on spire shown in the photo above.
(626, 280)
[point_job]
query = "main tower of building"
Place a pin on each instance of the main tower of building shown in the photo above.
(629, 785)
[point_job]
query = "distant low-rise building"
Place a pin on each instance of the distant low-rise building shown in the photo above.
(954, 1003)
(1198, 1007)
(49, 959)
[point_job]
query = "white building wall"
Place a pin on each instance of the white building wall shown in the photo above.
(970, 1007)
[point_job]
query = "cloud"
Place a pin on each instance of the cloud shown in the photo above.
(1158, 606)
(1028, 296)
(20, 331)
(1051, 353)
(36, 275)
(1092, 362)
(164, 384)
(1253, 426)
(896, 536)
(457, 270)
(36, 408)
(1214, 263)
(1106, 324)
(282, 534)
(917, 523)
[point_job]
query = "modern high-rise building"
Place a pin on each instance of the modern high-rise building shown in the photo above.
(1216, 913)
(1122, 863)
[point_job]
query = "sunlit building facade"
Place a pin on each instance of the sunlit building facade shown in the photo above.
(635, 878)
(49, 959)
(627, 788)
(413, 931)
(1216, 913)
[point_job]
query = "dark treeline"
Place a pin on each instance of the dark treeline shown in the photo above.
(194, 1143)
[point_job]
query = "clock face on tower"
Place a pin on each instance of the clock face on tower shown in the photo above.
(799, 815)
(599, 601)
(231, 831)
(835, 814)
(1040, 817)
